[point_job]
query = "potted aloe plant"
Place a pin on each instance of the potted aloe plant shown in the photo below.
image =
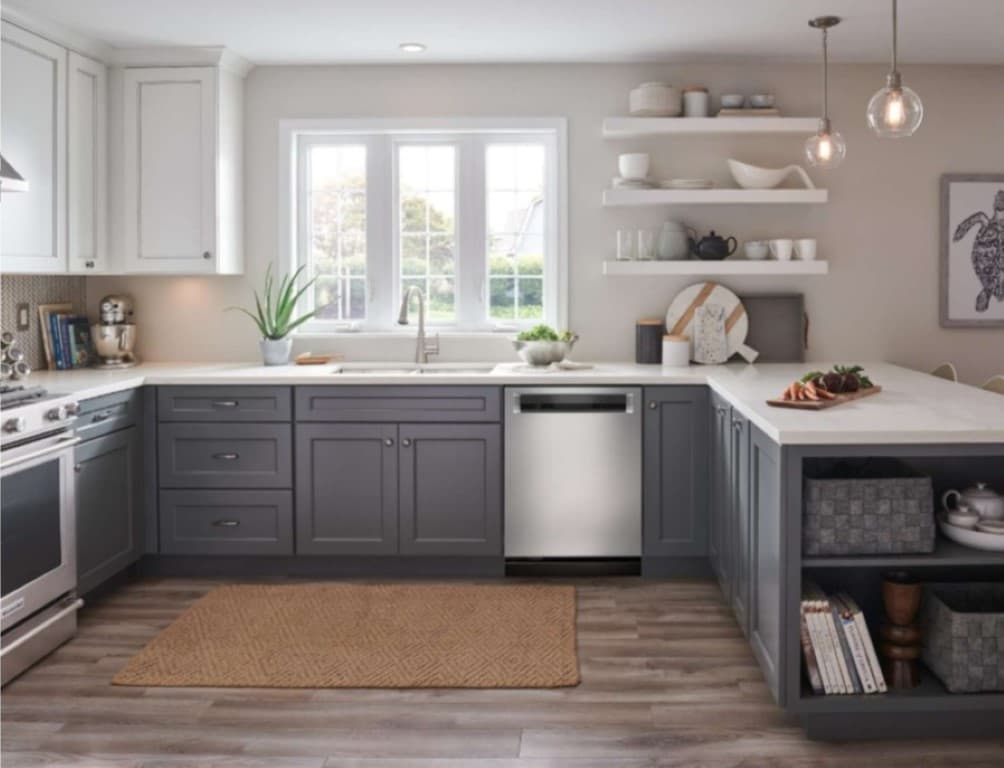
(274, 317)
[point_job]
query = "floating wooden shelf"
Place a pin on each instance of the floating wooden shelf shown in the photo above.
(625, 197)
(726, 267)
(633, 127)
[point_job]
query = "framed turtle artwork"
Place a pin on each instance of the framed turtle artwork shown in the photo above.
(972, 250)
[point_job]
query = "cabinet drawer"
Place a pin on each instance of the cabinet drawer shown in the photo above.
(225, 456)
(109, 413)
(226, 522)
(387, 403)
(224, 403)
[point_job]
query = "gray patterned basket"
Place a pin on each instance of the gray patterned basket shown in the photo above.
(868, 516)
(963, 631)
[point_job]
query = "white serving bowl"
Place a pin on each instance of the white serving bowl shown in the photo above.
(633, 165)
(762, 100)
(756, 250)
(733, 100)
(655, 100)
(754, 177)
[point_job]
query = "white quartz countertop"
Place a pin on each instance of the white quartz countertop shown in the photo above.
(913, 407)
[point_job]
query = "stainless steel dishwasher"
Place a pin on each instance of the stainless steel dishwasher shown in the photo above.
(573, 472)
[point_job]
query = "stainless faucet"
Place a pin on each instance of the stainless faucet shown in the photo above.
(423, 347)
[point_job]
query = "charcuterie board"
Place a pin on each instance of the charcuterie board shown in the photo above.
(818, 405)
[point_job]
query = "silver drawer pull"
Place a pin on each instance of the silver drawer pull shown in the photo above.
(225, 403)
(406, 442)
(226, 523)
(226, 456)
(101, 416)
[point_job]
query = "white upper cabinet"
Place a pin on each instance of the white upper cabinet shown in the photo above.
(33, 141)
(181, 200)
(88, 164)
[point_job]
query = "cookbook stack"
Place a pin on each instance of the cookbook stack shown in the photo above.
(837, 646)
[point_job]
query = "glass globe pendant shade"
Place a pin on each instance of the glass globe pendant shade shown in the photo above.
(895, 111)
(826, 149)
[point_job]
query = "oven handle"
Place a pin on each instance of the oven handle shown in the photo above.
(61, 445)
(76, 605)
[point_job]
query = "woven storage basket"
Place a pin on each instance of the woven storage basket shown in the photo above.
(963, 631)
(868, 516)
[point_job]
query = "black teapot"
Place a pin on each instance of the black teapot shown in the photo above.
(713, 247)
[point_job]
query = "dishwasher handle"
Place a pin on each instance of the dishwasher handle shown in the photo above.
(571, 402)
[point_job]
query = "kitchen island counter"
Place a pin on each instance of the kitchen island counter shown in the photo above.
(913, 407)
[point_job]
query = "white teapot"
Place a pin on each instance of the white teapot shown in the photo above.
(981, 499)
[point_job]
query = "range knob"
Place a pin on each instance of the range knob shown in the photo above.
(59, 413)
(73, 409)
(16, 424)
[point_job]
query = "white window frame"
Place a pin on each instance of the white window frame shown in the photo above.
(471, 136)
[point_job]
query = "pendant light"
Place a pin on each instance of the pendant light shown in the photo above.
(826, 149)
(895, 111)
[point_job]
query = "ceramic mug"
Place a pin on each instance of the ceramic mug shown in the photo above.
(756, 250)
(805, 248)
(633, 165)
(780, 248)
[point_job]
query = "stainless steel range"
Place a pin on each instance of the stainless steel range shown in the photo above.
(38, 608)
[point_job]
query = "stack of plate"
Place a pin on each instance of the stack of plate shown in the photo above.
(619, 182)
(686, 184)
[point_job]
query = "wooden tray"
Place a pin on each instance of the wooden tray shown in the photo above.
(818, 405)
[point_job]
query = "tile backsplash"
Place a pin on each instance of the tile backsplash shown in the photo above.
(34, 290)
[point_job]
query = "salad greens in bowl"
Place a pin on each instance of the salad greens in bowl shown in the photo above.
(542, 345)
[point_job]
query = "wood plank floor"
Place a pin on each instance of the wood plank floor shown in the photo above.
(667, 680)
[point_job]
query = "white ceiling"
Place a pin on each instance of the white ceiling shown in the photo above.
(329, 31)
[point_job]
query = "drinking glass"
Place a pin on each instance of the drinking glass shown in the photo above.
(625, 245)
(646, 245)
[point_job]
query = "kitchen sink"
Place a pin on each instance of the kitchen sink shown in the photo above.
(405, 369)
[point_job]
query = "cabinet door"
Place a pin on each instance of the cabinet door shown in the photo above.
(740, 519)
(767, 587)
(87, 176)
(721, 448)
(346, 489)
(33, 104)
(170, 169)
(451, 489)
(675, 472)
(109, 521)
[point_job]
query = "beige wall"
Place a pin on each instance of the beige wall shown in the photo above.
(880, 229)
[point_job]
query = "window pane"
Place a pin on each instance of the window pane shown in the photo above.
(337, 210)
(427, 203)
(515, 238)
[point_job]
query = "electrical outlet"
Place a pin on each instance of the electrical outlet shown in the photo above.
(23, 316)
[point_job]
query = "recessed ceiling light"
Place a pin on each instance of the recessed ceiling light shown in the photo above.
(412, 47)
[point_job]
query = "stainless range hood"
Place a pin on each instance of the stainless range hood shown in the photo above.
(11, 180)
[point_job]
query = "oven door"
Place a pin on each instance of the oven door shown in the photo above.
(38, 526)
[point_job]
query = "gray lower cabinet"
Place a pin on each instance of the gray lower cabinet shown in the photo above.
(675, 472)
(225, 455)
(109, 518)
(739, 517)
(719, 545)
(766, 575)
(201, 522)
(346, 489)
(450, 489)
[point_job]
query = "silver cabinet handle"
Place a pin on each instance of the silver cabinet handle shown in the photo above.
(406, 443)
(89, 264)
(207, 255)
(737, 426)
(721, 409)
(225, 403)
(78, 468)
(388, 442)
(226, 523)
(101, 416)
(652, 404)
(226, 456)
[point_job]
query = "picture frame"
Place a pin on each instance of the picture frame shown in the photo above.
(972, 250)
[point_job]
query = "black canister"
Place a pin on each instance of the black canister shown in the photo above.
(648, 341)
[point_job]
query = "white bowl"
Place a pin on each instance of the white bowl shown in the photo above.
(756, 250)
(762, 100)
(963, 518)
(655, 100)
(633, 165)
(754, 177)
(733, 100)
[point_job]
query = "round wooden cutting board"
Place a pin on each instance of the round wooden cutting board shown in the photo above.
(680, 317)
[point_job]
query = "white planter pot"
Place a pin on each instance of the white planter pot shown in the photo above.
(276, 351)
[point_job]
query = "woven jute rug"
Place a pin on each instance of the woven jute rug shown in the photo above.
(367, 636)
